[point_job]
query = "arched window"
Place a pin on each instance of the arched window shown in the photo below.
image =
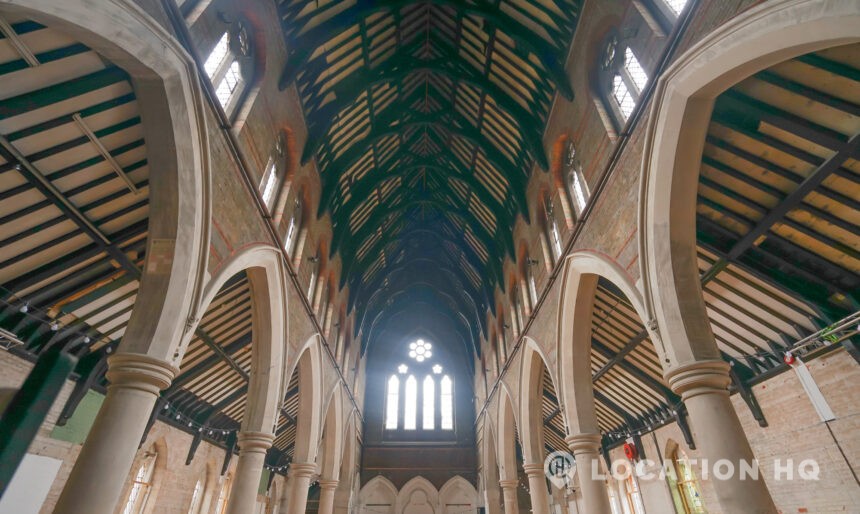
(614, 504)
(271, 175)
(429, 407)
(196, 498)
(687, 485)
(141, 486)
(294, 226)
(532, 284)
(577, 187)
(628, 78)
(446, 400)
(634, 496)
(393, 397)
(553, 235)
(230, 66)
(410, 404)
(224, 495)
(312, 282)
(426, 401)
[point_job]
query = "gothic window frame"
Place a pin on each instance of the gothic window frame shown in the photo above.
(142, 483)
(421, 417)
(552, 232)
(230, 66)
(576, 186)
(273, 176)
(619, 79)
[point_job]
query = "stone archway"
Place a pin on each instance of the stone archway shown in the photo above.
(173, 120)
(581, 273)
(765, 35)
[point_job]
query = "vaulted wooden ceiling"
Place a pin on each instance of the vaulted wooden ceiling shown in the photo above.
(426, 119)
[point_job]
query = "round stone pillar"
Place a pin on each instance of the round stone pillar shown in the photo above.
(249, 471)
(492, 500)
(300, 476)
(586, 452)
(509, 495)
(101, 469)
(327, 489)
(719, 436)
(537, 487)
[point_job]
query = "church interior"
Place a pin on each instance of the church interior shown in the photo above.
(429, 256)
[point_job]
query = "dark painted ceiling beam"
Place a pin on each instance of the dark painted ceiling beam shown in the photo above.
(377, 219)
(529, 126)
(524, 37)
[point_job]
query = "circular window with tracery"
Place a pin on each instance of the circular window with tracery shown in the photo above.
(420, 350)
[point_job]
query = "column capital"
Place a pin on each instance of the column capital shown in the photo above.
(509, 483)
(302, 469)
(139, 371)
(254, 441)
(533, 468)
(328, 484)
(699, 377)
(583, 443)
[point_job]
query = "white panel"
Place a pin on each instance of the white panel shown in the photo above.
(30, 485)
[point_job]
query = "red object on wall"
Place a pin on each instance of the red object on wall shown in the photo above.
(630, 451)
(789, 358)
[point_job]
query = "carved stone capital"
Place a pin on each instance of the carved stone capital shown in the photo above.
(302, 469)
(583, 443)
(700, 377)
(508, 484)
(533, 469)
(138, 371)
(328, 484)
(254, 441)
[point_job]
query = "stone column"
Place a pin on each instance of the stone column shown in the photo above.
(249, 471)
(103, 466)
(586, 452)
(718, 433)
(341, 498)
(492, 500)
(537, 487)
(327, 488)
(300, 475)
(509, 495)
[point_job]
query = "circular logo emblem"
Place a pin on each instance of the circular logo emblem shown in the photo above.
(559, 467)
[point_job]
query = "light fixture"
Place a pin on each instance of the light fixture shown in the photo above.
(24, 308)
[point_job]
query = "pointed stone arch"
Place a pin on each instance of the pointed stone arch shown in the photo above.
(332, 438)
(418, 496)
(308, 365)
(506, 427)
(534, 363)
(456, 492)
(267, 278)
(765, 35)
(580, 274)
(380, 494)
(173, 116)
